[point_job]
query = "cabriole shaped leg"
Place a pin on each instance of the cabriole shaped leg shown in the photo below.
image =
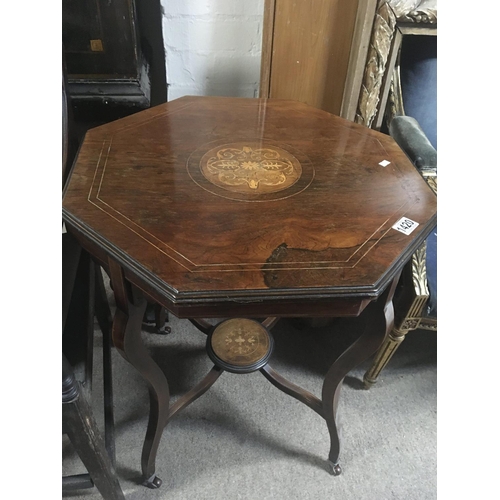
(127, 339)
(379, 320)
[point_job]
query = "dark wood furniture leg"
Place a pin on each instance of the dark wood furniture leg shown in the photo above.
(161, 317)
(379, 320)
(105, 320)
(127, 324)
(131, 305)
(379, 317)
(84, 434)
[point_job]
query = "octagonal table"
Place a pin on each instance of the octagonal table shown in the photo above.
(246, 208)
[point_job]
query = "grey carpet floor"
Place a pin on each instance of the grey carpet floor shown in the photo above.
(246, 440)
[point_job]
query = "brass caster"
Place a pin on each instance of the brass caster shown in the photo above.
(335, 468)
(154, 482)
(164, 330)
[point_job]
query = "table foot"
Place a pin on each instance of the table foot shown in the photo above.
(165, 330)
(153, 483)
(335, 468)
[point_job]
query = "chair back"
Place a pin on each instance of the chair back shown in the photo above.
(418, 67)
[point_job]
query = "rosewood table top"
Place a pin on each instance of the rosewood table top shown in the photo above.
(212, 200)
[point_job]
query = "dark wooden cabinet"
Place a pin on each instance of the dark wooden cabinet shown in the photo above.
(114, 55)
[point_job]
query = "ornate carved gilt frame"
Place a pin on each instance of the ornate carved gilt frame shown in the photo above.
(380, 98)
(393, 19)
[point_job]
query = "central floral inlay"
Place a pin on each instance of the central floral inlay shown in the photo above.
(251, 168)
(240, 341)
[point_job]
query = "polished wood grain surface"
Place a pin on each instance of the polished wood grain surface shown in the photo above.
(305, 50)
(209, 199)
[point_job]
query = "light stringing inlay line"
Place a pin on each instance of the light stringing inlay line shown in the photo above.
(235, 267)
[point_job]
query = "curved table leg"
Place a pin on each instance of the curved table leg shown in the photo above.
(379, 321)
(202, 325)
(127, 339)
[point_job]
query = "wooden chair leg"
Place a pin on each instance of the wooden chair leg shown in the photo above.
(105, 320)
(384, 355)
(409, 306)
(85, 436)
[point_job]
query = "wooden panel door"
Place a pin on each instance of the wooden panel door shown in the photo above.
(306, 47)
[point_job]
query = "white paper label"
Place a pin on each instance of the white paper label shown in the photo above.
(384, 163)
(405, 225)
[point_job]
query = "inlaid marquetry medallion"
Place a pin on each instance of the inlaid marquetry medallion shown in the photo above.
(240, 342)
(250, 170)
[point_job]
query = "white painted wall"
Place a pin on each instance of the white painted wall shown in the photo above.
(213, 47)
